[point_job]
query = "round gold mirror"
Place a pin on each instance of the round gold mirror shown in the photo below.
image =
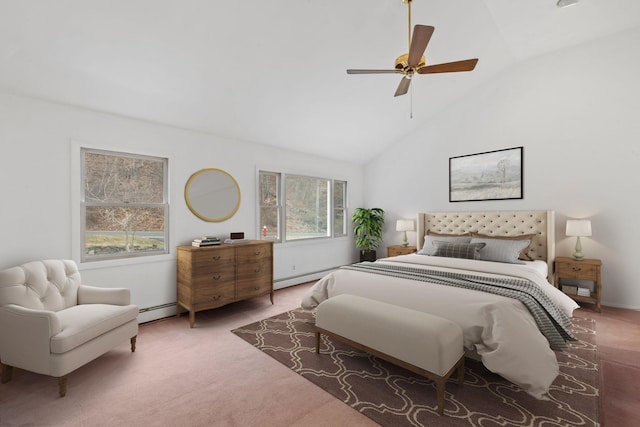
(212, 195)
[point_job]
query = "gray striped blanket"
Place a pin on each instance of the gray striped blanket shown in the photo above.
(551, 321)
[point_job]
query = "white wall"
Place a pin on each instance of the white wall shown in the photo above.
(577, 114)
(39, 149)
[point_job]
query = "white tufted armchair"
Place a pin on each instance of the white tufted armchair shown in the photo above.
(51, 324)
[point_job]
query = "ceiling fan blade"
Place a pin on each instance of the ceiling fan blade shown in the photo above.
(372, 71)
(450, 67)
(403, 87)
(421, 36)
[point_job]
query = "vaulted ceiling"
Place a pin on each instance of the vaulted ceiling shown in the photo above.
(273, 71)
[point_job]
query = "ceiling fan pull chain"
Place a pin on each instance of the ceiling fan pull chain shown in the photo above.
(411, 102)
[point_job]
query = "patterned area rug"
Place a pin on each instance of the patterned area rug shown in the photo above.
(392, 396)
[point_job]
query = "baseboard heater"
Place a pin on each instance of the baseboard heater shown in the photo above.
(311, 273)
(157, 307)
(173, 304)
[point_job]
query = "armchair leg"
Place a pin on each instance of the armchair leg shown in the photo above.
(7, 372)
(133, 344)
(62, 386)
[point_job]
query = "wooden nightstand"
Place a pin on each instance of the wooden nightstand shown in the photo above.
(395, 250)
(587, 269)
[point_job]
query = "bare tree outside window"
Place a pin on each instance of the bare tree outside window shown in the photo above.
(270, 206)
(306, 207)
(339, 208)
(296, 207)
(124, 205)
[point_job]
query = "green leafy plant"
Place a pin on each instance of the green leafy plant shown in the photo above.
(368, 228)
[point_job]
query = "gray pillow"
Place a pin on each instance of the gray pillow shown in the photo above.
(429, 249)
(458, 250)
(499, 250)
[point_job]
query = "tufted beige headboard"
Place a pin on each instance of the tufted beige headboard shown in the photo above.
(498, 223)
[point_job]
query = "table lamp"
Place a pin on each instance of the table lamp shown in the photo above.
(405, 225)
(578, 228)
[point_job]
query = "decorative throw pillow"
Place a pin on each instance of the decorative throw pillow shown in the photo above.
(524, 255)
(458, 250)
(429, 249)
(499, 250)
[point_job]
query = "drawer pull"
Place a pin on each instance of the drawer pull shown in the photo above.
(257, 269)
(577, 269)
(257, 252)
(217, 258)
(216, 297)
(217, 277)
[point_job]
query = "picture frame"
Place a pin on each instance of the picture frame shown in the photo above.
(491, 175)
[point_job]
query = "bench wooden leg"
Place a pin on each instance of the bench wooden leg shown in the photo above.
(461, 372)
(133, 343)
(62, 386)
(440, 387)
(7, 372)
(317, 342)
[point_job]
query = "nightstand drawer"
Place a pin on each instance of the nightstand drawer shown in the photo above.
(577, 271)
(396, 250)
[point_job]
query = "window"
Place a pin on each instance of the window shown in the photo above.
(124, 205)
(339, 208)
(270, 207)
(308, 206)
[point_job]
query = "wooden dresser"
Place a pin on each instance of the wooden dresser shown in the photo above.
(210, 277)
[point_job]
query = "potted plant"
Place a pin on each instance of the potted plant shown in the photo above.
(368, 231)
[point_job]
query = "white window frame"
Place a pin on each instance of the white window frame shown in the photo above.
(282, 216)
(278, 206)
(343, 209)
(80, 204)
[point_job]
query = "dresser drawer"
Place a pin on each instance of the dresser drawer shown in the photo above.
(214, 296)
(215, 277)
(212, 259)
(577, 271)
(254, 287)
(253, 253)
(254, 279)
(254, 270)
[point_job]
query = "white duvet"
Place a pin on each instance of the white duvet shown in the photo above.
(499, 329)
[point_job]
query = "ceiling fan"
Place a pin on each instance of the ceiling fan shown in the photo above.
(414, 61)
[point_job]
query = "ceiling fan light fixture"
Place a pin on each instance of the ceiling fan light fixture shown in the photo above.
(402, 63)
(566, 3)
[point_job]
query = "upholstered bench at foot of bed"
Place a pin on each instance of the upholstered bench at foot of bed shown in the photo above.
(420, 342)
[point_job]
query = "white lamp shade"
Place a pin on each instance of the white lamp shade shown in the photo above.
(578, 227)
(404, 225)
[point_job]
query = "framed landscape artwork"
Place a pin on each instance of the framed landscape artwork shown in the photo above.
(492, 175)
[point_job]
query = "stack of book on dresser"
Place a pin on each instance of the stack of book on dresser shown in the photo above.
(206, 241)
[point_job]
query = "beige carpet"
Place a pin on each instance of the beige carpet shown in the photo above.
(392, 396)
(179, 376)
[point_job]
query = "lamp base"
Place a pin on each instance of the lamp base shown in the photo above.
(578, 255)
(405, 241)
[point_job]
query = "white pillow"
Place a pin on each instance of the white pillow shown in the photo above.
(501, 250)
(429, 249)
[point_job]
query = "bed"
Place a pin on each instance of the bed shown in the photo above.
(506, 333)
